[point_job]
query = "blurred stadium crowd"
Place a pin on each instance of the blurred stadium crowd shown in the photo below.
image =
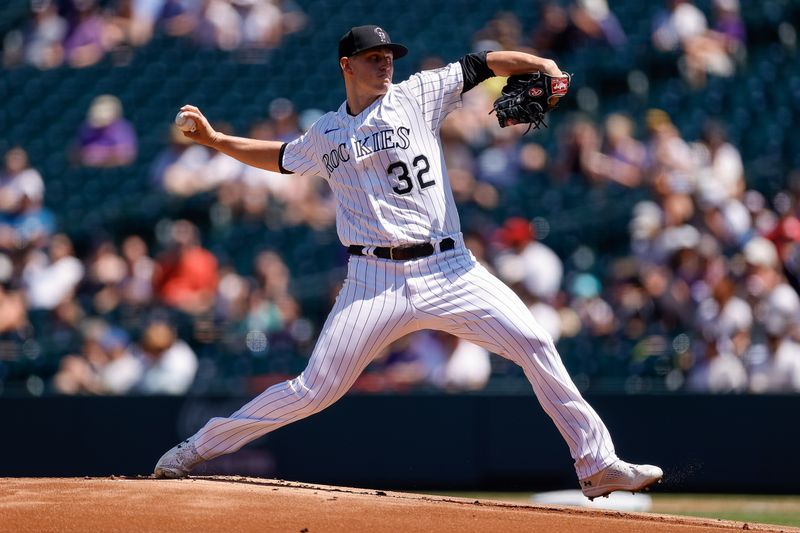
(654, 228)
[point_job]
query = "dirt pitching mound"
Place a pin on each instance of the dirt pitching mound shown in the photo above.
(124, 504)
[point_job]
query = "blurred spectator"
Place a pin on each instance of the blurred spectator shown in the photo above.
(180, 167)
(504, 160)
(233, 291)
(271, 274)
(169, 364)
(596, 24)
(682, 26)
(285, 120)
(256, 24)
(13, 315)
(723, 315)
(136, 20)
(785, 235)
(315, 208)
(553, 34)
(40, 43)
(584, 23)
(577, 153)
(122, 370)
(104, 366)
(679, 21)
(468, 367)
(220, 168)
(133, 20)
(670, 296)
(106, 139)
(178, 18)
(51, 279)
(776, 364)
(782, 373)
(548, 317)
(719, 371)
(263, 314)
(729, 27)
(763, 268)
(670, 163)
(729, 222)
(185, 276)
(433, 359)
(104, 274)
(89, 37)
(136, 285)
(720, 171)
(23, 219)
(185, 168)
(527, 263)
(502, 32)
(595, 314)
(780, 312)
(622, 158)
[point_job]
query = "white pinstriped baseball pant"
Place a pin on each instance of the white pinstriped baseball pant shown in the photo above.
(382, 300)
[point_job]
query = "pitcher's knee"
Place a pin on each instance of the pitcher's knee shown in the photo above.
(312, 399)
(530, 347)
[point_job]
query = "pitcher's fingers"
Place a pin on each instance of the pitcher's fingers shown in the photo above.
(196, 115)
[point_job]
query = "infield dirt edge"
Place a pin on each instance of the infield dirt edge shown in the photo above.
(225, 503)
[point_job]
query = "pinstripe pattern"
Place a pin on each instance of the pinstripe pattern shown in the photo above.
(463, 298)
(370, 312)
(382, 300)
(342, 149)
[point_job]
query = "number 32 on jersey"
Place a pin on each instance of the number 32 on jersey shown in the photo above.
(400, 171)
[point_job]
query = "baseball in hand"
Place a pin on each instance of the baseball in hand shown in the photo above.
(185, 122)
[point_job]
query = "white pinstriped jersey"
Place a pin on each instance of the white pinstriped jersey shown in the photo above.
(385, 166)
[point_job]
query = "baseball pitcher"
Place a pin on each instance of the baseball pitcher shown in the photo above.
(408, 267)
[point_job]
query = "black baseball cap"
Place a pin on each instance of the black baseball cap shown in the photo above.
(367, 37)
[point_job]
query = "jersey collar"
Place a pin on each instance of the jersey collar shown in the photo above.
(345, 114)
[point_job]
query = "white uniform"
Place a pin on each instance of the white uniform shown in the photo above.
(386, 169)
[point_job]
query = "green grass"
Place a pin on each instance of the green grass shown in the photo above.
(764, 509)
(779, 510)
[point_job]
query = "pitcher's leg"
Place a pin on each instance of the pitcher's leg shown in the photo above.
(370, 312)
(471, 303)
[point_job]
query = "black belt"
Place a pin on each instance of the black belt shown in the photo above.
(404, 253)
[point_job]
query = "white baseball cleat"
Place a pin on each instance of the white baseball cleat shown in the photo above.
(620, 476)
(178, 461)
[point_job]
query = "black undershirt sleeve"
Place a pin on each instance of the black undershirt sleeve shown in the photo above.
(476, 69)
(280, 160)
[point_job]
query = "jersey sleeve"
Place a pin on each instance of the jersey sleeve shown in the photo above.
(476, 69)
(298, 156)
(437, 91)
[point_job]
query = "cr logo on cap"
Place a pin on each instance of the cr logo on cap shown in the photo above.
(381, 34)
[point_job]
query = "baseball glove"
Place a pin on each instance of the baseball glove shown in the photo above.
(526, 98)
